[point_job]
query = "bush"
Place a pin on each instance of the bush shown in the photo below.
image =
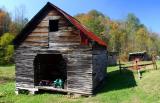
(6, 49)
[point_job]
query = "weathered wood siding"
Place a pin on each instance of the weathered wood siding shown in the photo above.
(80, 71)
(99, 65)
(79, 65)
(24, 68)
(65, 41)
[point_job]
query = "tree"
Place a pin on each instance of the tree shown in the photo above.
(132, 25)
(19, 20)
(93, 21)
(6, 48)
(5, 21)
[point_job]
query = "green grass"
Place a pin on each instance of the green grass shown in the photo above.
(119, 88)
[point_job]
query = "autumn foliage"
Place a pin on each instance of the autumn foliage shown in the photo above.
(123, 36)
(8, 30)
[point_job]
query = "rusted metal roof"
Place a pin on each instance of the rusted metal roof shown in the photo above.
(78, 25)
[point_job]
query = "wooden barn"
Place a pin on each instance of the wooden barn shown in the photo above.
(55, 52)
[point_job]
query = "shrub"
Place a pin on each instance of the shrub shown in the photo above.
(6, 49)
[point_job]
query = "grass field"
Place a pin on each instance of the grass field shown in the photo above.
(119, 88)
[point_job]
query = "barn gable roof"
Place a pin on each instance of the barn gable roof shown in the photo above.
(35, 20)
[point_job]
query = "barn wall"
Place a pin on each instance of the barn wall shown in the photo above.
(79, 59)
(24, 67)
(99, 66)
(65, 41)
(26, 52)
(80, 71)
(79, 65)
(24, 59)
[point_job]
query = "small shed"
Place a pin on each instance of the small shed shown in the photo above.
(143, 56)
(112, 58)
(55, 52)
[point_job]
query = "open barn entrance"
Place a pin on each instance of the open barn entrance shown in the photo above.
(50, 71)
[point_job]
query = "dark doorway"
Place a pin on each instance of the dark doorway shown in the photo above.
(49, 67)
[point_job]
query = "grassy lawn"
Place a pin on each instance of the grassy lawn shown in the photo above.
(119, 88)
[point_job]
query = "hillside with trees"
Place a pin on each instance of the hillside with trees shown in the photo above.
(123, 36)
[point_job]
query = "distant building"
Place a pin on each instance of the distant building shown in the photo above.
(143, 56)
(112, 58)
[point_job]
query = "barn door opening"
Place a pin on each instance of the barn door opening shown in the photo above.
(50, 70)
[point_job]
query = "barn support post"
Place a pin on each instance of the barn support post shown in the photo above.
(120, 68)
(154, 62)
(17, 91)
(139, 74)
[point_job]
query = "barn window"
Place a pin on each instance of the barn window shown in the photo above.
(53, 25)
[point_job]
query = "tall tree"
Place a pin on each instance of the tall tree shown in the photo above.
(20, 19)
(5, 21)
(93, 21)
(6, 48)
(132, 25)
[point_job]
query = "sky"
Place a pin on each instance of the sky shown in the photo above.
(148, 11)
